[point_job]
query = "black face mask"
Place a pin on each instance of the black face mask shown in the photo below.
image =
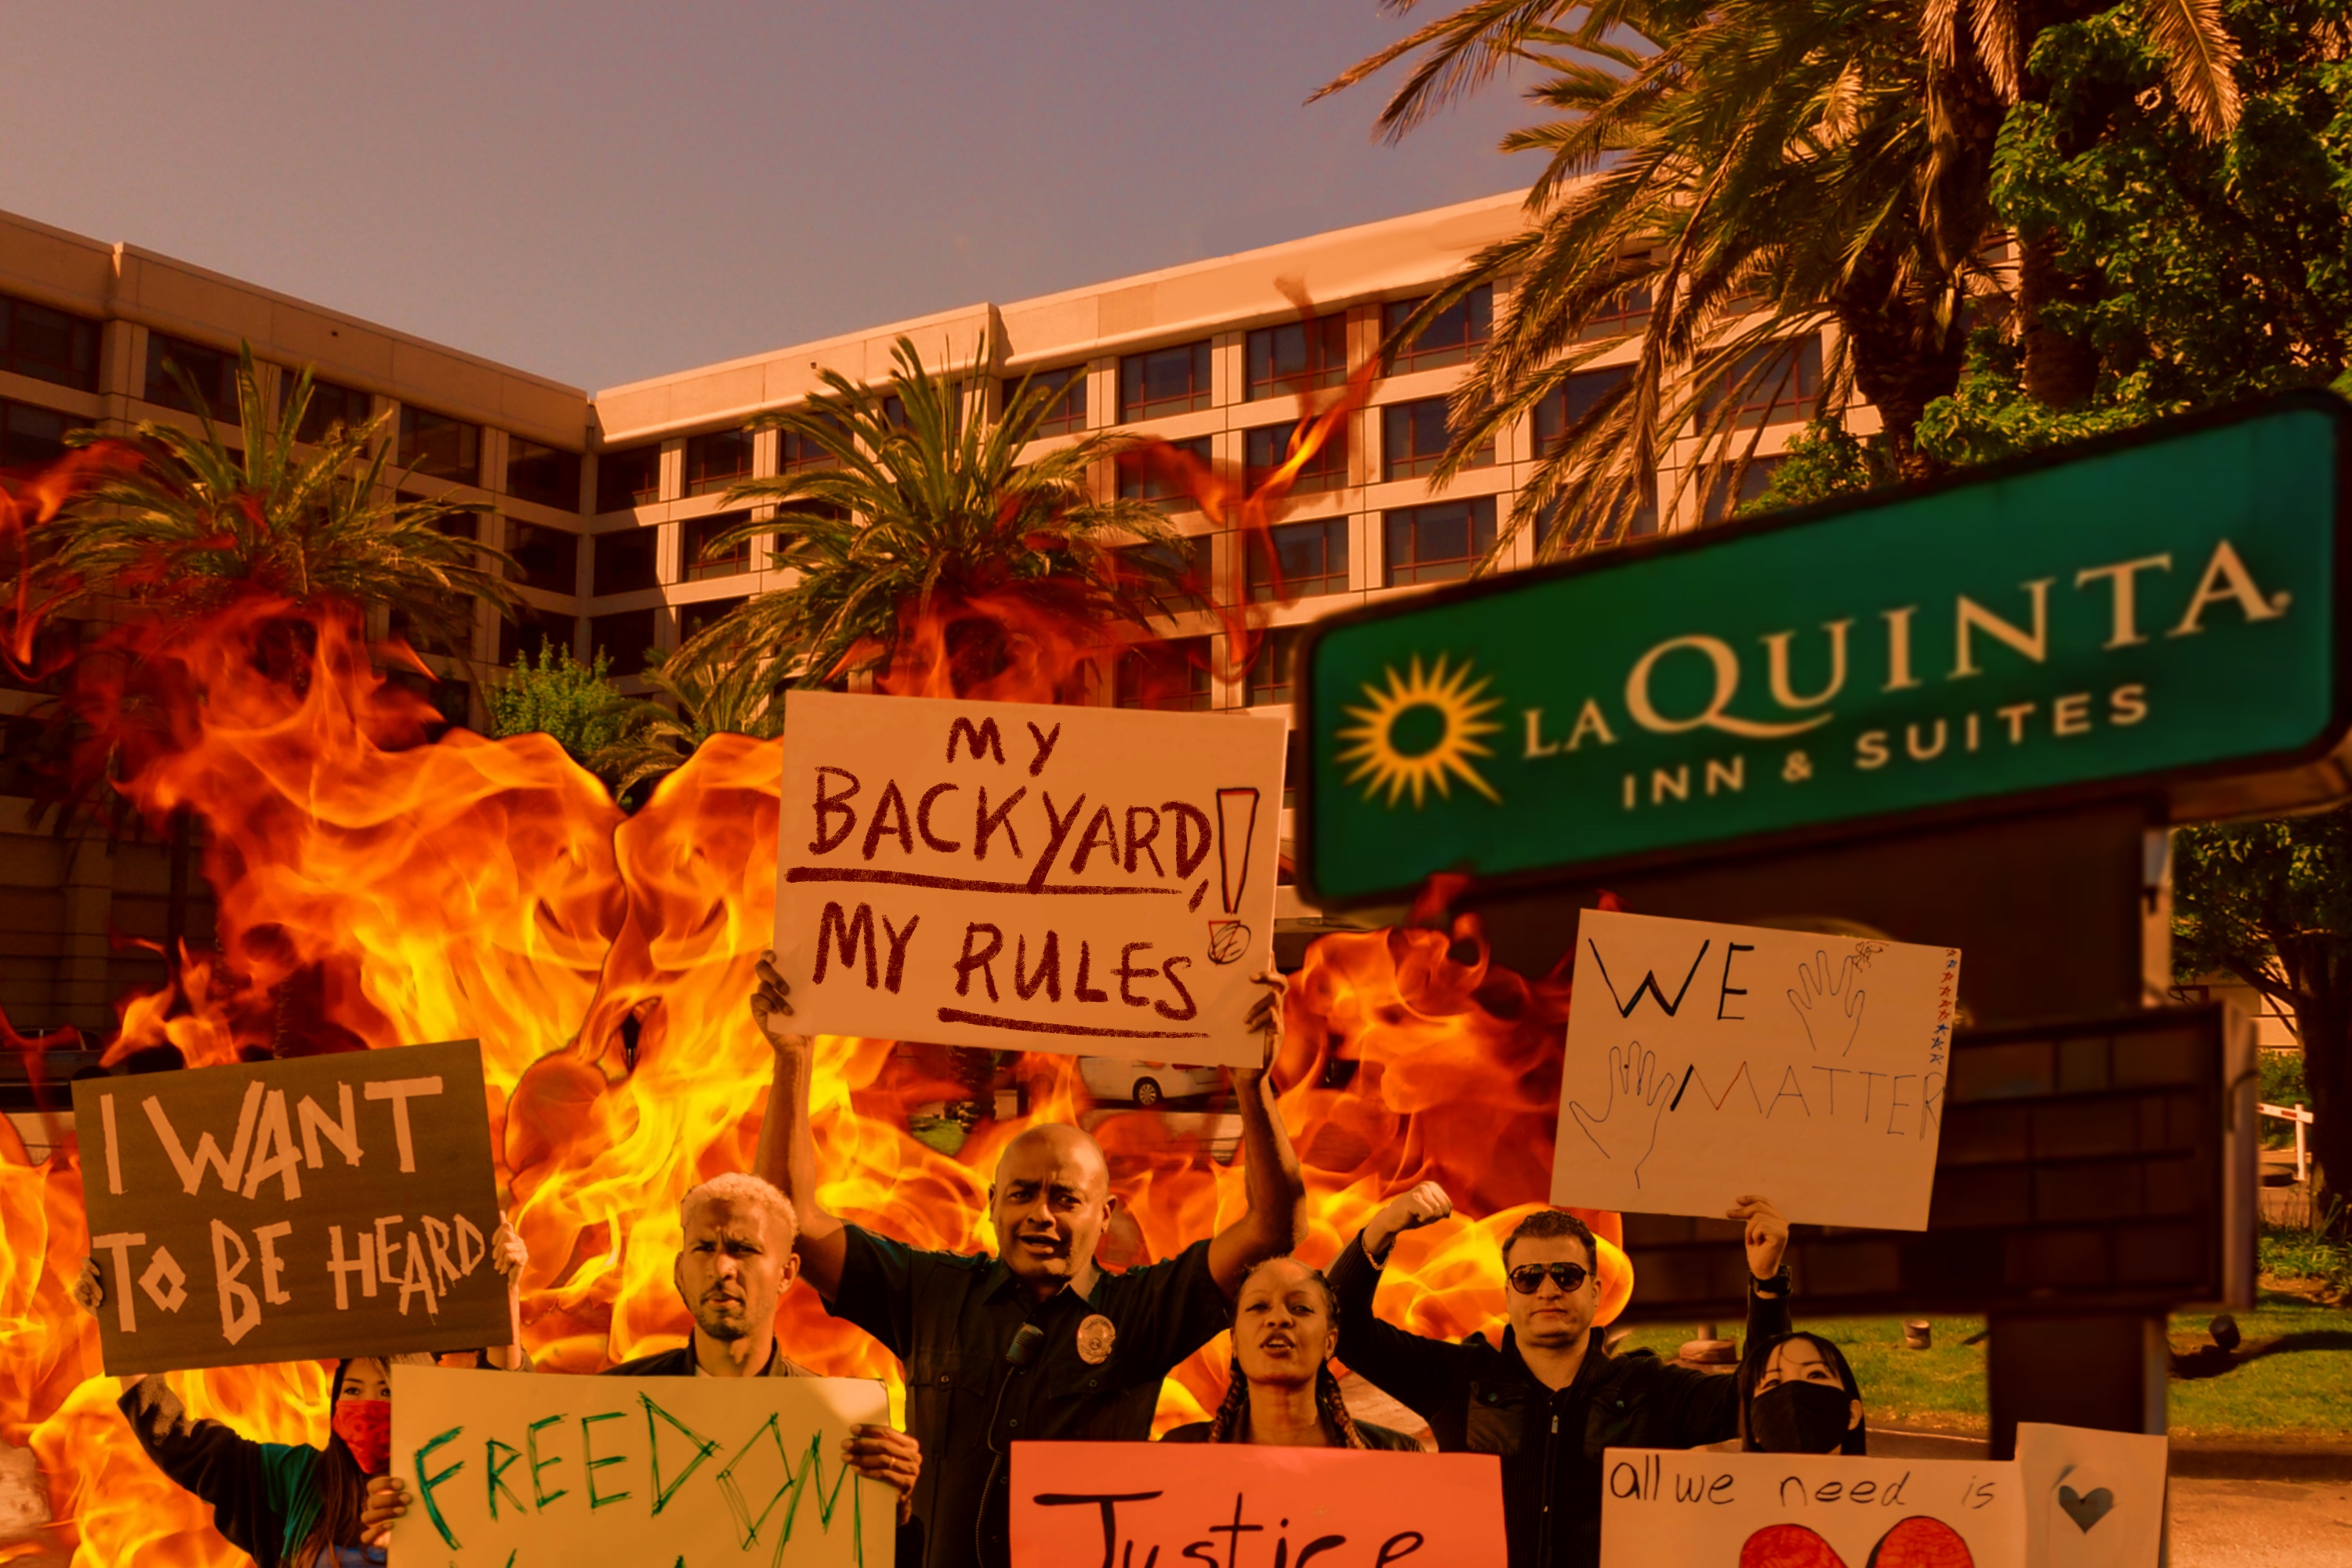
(1800, 1418)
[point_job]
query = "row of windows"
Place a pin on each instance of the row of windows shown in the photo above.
(48, 344)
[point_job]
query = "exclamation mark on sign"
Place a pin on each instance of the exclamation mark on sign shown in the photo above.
(1236, 825)
(1236, 829)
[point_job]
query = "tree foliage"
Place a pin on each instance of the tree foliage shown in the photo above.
(554, 694)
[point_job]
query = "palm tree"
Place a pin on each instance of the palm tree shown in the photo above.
(929, 552)
(194, 522)
(1757, 169)
(693, 702)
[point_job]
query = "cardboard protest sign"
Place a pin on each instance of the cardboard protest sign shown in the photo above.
(1022, 877)
(1696, 1508)
(279, 1211)
(507, 1469)
(1706, 1062)
(1241, 1506)
(2093, 1499)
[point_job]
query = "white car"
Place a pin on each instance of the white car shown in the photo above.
(1145, 1083)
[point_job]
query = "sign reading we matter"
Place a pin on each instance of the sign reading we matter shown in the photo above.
(1131, 1504)
(504, 1471)
(1025, 878)
(1706, 1063)
(292, 1210)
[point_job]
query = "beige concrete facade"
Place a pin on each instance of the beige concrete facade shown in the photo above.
(56, 964)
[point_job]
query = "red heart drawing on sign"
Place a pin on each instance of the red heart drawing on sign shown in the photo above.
(1914, 1543)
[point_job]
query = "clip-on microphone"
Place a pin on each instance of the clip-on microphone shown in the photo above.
(1018, 1354)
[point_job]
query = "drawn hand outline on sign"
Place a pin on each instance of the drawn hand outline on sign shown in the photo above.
(1645, 1088)
(1815, 987)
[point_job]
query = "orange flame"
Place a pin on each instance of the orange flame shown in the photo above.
(373, 889)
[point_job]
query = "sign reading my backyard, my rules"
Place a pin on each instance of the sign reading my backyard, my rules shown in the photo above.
(509, 1471)
(1028, 878)
(2163, 606)
(1708, 1062)
(1135, 1505)
(293, 1210)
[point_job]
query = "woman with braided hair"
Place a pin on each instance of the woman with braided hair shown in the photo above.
(1282, 1391)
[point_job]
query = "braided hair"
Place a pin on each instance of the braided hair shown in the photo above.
(1232, 1422)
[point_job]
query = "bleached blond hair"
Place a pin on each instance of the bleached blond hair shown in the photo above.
(748, 1191)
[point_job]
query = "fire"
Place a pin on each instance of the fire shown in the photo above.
(374, 891)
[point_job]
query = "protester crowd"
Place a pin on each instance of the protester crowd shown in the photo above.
(1040, 1344)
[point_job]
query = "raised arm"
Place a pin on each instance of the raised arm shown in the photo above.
(1418, 1373)
(1274, 1223)
(787, 1144)
(1700, 1407)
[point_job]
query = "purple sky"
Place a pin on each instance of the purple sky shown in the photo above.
(601, 192)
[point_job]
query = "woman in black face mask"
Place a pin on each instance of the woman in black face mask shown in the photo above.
(1797, 1396)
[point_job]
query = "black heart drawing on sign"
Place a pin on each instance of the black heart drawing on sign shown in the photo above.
(2085, 1510)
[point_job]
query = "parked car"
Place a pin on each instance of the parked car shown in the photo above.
(1145, 1083)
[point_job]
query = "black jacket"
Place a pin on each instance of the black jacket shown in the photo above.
(1478, 1399)
(1384, 1437)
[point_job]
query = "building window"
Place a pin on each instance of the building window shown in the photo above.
(1165, 676)
(1623, 319)
(545, 558)
(700, 616)
(1266, 448)
(1437, 542)
(1272, 667)
(47, 345)
(1453, 335)
(213, 372)
(1414, 437)
(532, 631)
(1164, 381)
(1307, 559)
(1298, 356)
(796, 451)
(622, 562)
(1566, 406)
(716, 461)
(1187, 560)
(696, 564)
(1720, 501)
(31, 438)
(547, 475)
(628, 478)
(624, 637)
(332, 404)
(1768, 384)
(1144, 478)
(438, 446)
(1067, 411)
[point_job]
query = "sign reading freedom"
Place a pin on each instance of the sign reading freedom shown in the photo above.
(2156, 611)
(505, 1470)
(295, 1210)
(1028, 878)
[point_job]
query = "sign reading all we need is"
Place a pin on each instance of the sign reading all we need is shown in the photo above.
(281, 1211)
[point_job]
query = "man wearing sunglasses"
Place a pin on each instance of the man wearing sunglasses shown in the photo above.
(1553, 1397)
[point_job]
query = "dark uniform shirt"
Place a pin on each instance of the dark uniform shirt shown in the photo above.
(1478, 1399)
(950, 1318)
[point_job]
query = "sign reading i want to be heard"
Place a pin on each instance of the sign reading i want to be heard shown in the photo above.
(2155, 612)
(1028, 877)
(289, 1210)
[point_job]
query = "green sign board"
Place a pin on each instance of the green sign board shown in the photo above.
(2157, 612)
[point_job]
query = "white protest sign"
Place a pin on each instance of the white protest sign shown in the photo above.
(513, 1468)
(2093, 1499)
(1706, 1062)
(1700, 1510)
(1025, 878)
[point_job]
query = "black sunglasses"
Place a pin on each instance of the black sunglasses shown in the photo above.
(1529, 1277)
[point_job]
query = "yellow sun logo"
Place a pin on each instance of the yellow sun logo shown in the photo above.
(1422, 730)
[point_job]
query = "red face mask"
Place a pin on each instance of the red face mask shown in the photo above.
(365, 1427)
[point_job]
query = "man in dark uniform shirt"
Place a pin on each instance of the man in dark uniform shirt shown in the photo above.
(1553, 1397)
(1037, 1343)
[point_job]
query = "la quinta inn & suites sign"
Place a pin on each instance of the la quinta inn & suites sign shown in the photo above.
(2157, 613)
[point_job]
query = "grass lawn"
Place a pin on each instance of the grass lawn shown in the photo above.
(2291, 1378)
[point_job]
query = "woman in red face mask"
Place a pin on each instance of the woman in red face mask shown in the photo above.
(290, 1505)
